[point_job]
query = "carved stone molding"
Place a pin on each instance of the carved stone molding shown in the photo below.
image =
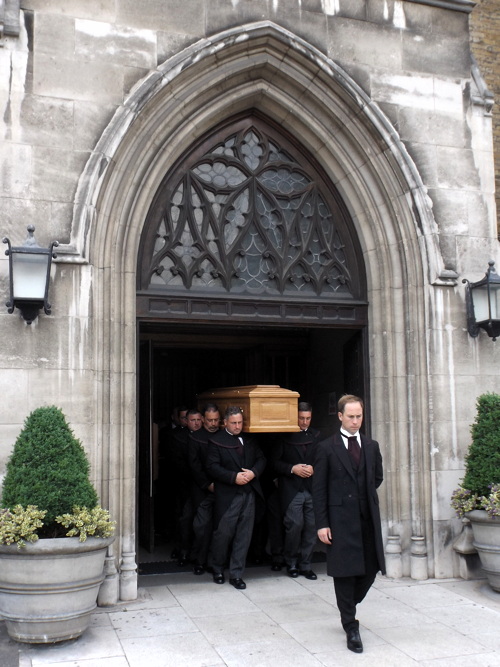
(454, 5)
(193, 308)
(481, 96)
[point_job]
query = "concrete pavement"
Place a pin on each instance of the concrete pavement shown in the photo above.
(185, 620)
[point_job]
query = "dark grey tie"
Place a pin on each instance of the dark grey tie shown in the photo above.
(354, 450)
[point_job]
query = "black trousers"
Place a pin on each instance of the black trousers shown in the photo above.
(350, 591)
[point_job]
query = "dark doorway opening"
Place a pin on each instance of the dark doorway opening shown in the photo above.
(179, 361)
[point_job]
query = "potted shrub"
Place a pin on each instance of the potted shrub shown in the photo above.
(53, 533)
(478, 497)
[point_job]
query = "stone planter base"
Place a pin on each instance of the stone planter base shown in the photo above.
(486, 532)
(49, 589)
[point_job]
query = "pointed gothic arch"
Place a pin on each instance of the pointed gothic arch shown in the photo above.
(247, 212)
(264, 67)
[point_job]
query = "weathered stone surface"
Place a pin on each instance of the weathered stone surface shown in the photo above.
(15, 167)
(170, 43)
(435, 54)
(464, 173)
(89, 9)
(175, 15)
(47, 121)
(122, 45)
(364, 43)
(443, 129)
(55, 173)
(89, 119)
(77, 80)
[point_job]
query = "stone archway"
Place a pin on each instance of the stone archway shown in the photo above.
(265, 67)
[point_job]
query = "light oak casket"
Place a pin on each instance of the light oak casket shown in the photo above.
(267, 408)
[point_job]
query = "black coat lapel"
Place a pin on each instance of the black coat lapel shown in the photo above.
(341, 451)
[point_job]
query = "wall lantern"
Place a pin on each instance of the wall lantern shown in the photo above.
(482, 300)
(29, 276)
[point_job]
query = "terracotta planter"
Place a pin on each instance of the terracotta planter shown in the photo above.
(486, 531)
(49, 589)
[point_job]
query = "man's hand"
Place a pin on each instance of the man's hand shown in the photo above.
(325, 535)
(246, 475)
(302, 470)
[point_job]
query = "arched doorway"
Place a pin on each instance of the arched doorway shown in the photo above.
(264, 67)
(252, 251)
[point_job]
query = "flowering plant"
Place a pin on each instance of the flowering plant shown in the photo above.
(463, 501)
(84, 522)
(21, 525)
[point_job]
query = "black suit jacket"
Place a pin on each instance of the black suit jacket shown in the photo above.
(336, 503)
(223, 464)
(198, 451)
(294, 448)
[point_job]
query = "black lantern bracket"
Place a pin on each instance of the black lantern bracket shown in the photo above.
(29, 276)
(482, 302)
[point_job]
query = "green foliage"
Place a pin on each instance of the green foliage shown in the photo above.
(84, 522)
(480, 487)
(19, 525)
(482, 464)
(48, 468)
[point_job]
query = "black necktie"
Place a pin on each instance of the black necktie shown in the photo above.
(239, 444)
(354, 450)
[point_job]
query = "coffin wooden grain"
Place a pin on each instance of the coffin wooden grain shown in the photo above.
(267, 408)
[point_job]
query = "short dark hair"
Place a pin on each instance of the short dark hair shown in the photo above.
(349, 398)
(193, 411)
(304, 406)
(210, 407)
(232, 410)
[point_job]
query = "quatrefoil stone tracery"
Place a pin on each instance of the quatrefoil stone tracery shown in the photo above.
(247, 217)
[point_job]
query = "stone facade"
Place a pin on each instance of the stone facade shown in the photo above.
(485, 43)
(100, 98)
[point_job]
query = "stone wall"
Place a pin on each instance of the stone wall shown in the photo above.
(485, 42)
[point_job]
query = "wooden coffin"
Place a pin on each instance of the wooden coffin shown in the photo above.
(267, 408)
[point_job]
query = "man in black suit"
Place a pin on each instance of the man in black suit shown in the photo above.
(202, 488)
(194, 421)
(293, 463)
(347, 472)
(235, 463)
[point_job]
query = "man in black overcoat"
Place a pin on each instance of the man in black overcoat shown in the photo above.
(235, 463)
(294, 465)
(202, 488)
(347, 472)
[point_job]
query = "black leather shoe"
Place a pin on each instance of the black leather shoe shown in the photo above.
(219, 578)
(354, 642)
(309, 574)
(276, 567)
(238, 583)
(293, 572)
(198, 569)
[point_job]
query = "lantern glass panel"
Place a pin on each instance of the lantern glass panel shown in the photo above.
(29, 275)
(480, 298)
(495, 302)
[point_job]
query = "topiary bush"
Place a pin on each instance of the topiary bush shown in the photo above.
(480, 487)
(482, 463)
(48, 468)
